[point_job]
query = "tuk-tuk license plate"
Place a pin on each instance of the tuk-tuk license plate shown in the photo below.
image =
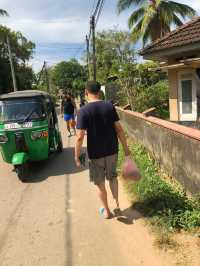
(17, 126)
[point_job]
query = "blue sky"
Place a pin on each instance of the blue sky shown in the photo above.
(59, 27)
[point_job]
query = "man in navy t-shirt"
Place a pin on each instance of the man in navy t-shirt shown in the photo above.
(101, 121)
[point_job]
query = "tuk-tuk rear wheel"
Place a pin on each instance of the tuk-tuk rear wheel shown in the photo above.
(22, 172)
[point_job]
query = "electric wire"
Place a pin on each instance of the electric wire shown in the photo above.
(97, 8)
(79, 50)
(93, 6)
(99, 12)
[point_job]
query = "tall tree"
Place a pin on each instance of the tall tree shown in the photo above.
(69, 75)
(114, 49)
(136, 84)
(152, 19)
(22, 50)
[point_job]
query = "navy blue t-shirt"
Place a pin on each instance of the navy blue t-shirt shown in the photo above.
(98, 118)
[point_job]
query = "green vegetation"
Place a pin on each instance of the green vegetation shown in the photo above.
(166, 204)
(152, 19)
(22, 51)
(114, 50)
(165, 242)
(67, 75)
(142, 88)
(139, 84)
(156, 95)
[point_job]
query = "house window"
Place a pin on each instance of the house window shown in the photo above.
(186, 96)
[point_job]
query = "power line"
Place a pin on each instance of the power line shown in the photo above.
(96, 14)
(100, 11)
(89, 35)
(63, 48)
(93, 23)
(47, 77)
(88, 55)
(40, 74)
(11, 64)
(93, 6)
(97, 8)
(81, 48)
(80, 52)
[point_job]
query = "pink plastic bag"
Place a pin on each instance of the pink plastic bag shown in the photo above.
(130, 170)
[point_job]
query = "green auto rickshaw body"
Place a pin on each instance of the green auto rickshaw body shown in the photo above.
(37, 149)
(28, 127)
(20, 158)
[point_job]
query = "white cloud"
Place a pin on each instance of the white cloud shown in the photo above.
(53, 21)
(193, 3)
(62, 21)
(60, 30)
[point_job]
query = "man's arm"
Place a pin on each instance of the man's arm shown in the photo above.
(122, 137)
(78, 145)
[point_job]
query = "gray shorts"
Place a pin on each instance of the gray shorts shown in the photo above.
(103, 168)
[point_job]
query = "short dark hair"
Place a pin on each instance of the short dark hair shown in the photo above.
(93, 87)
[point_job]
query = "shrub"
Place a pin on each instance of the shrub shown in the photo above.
(166, 204)
(145, 97)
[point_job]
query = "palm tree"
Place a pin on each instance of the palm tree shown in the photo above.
(152, 19)
(3, 12)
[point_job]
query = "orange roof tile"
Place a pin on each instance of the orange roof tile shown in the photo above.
(188, 33)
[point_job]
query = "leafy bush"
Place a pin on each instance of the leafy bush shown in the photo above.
(156, 96)
(143, 88)
(167, 205)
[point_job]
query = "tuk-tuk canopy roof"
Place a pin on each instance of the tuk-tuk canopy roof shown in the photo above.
(24, 94)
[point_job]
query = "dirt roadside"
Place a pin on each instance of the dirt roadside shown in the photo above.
(53, 221)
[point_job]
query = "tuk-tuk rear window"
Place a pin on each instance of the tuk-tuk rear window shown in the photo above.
(19, 110)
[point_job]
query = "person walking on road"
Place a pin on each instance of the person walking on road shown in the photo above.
(101, 121)
(68, 110)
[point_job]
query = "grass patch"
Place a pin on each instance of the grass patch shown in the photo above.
(166, 204)
(165, 242)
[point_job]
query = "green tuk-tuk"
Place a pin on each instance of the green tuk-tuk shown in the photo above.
(28, 129)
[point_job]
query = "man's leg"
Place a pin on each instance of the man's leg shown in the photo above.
(102, 193)
(68, 127)
(73, 124)
(114, 187)
(111, 175)
(97, 176)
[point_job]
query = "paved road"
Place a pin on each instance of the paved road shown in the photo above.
(53, 221)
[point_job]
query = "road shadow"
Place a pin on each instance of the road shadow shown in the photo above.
(58, 164)
(129, 215)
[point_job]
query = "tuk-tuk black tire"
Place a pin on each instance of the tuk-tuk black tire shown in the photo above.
(22, 172)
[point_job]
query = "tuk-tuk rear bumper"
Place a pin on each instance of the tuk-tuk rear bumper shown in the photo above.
(19, 158)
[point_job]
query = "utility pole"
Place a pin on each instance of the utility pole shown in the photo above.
(11, 65)
(40, 75)
(92, 23)
(47, 77)
(88, 56)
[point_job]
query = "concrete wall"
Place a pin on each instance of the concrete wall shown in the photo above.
(175, 147)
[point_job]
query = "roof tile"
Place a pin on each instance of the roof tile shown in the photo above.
(186, 34)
